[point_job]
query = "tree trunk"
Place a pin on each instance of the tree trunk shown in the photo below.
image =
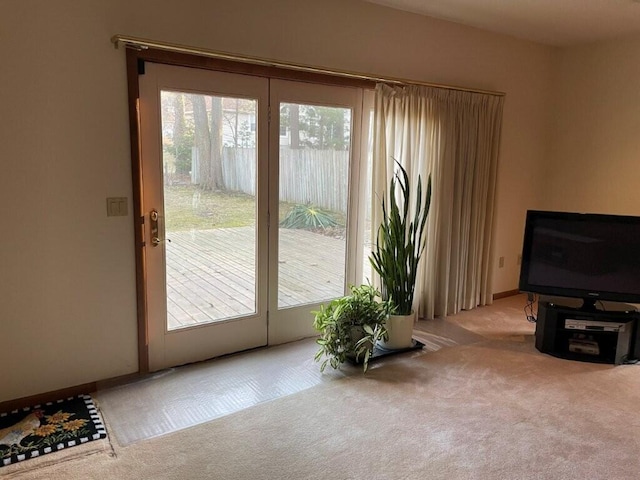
(178, 131)
(202, 140)
(340, 140)
(215, 133)
(294, 125)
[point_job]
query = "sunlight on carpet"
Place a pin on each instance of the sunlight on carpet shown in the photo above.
(181, 397)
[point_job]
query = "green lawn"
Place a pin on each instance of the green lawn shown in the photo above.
(187, 207)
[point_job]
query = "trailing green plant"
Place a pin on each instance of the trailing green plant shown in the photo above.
(350, 327)
(401, 241)
(308, 216)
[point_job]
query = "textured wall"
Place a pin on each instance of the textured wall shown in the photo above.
(67, 278)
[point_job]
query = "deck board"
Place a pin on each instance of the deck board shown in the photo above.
(210, 273)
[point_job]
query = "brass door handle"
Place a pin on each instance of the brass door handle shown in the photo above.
(153, 216)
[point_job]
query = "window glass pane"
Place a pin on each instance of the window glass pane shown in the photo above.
(314, 177)
(209, 165)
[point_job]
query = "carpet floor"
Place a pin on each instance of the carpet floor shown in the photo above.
(491, 408)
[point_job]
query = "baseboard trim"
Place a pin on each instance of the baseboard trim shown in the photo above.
(508, 293)
(41, 398)
(85, 388)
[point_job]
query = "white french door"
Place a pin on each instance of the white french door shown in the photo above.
(247, 201)
(314, 156)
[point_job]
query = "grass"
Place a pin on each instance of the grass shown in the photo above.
(187, 208)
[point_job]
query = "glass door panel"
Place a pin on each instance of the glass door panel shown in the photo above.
(204, 202)
(246, 234)
(209, 164)
(313, 192)
(314, 155)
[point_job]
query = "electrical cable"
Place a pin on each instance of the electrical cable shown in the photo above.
(529, 314)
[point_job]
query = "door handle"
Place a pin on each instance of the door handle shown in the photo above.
(153, 216)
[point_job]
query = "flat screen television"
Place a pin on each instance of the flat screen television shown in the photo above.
(588, 256)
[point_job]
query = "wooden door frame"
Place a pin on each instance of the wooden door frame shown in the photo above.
(135, 59)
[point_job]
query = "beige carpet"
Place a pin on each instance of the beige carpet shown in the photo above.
(493, 409)
(505, 320)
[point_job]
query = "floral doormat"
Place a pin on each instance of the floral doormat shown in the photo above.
(36, 431)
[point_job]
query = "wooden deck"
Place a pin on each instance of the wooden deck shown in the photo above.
(210, 273)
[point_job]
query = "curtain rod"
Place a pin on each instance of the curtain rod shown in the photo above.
(142, 44)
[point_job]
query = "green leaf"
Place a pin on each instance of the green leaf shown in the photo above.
(340, 319)
(309, 216)
(401, 241)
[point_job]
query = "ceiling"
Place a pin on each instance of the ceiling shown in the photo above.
(551, 22)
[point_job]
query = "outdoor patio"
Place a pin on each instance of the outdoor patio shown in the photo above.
(210, 273)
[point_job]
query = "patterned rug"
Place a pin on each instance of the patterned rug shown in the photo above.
(36, 431)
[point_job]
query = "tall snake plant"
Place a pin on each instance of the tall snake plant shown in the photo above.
(400, 242)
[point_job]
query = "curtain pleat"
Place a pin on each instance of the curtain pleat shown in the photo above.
(454, 137)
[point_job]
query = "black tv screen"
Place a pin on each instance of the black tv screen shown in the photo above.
(588, 256)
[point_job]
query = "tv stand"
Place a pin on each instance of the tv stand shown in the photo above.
(589, 305)
(587, 333)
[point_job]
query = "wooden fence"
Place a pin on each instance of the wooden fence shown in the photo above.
(317, 176)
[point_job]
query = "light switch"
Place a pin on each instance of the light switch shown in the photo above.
(117, 207)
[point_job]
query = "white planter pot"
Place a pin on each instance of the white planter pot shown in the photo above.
(400, 329)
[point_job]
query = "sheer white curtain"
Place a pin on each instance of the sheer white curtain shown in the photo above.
(453, 136)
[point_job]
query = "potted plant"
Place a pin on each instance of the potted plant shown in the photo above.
(350, 327)
(395, 256)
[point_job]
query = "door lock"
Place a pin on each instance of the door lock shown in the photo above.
(153, 216)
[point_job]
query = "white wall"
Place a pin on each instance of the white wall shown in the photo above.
(595, 160)
(67, 279)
